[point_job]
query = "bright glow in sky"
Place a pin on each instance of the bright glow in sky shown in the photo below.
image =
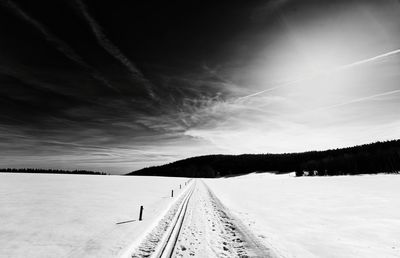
(159, 81)
(329, 80)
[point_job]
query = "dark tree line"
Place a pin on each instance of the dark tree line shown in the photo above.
(50, 171)
(364, 159)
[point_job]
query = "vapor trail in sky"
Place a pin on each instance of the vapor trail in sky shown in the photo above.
(363, 99)
(273, 88)
(110, 47)
(397, 51)
(60, 45)
(340, 68)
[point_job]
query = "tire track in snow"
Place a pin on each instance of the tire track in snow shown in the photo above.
(209, 230)
(198, 225)
(157, 241)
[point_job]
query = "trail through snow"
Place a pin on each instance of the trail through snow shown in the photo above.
(209, 230)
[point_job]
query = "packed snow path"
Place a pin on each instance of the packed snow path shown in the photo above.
(204, 228)
(209, 230)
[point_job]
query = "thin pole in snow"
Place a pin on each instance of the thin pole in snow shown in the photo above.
(141, 213)
(172, 193)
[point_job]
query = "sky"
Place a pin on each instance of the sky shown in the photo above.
(120, 85)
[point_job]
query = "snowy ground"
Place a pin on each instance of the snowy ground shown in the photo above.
(281, 215)
(208, 230)
(76, 215)
(343, 216)
(200, 226)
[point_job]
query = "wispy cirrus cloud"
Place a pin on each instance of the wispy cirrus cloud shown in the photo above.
(323, 73)
(251, 80)
(112, 49)
(59, 44)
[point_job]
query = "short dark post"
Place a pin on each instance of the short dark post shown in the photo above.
(141, 213)
(180, 186)
(172, 193)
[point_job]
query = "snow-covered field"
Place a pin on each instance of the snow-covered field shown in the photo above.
(343, 216)
(76, 215)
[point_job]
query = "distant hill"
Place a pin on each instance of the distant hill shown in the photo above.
(50, 171)
(364, 159)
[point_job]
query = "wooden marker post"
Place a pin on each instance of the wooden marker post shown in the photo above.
(141, 213)
(172, 193)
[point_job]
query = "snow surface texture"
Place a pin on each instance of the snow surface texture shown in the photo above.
(208, 230)
(342, 216)
(153, 241)
(198, 225)
(76, 215)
